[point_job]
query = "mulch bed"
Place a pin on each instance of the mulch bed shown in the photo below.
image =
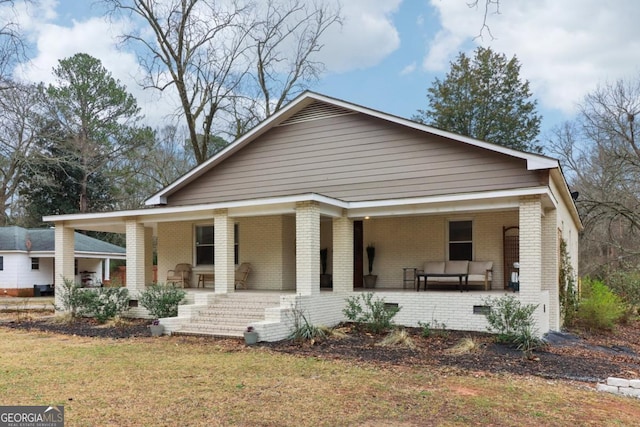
(84, 327)
(579, 356)
(589, 357)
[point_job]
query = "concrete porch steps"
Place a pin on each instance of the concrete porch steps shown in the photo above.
(229, 315)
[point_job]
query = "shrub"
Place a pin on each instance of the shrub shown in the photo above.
(433, 328)
(627, 285)
(302, 330)
(104, 303)
(507, 316)
(161, 300)
(71, 297)
(399, 337)
(513, 322)
(567, 288)
(374, 315)
(599, 308)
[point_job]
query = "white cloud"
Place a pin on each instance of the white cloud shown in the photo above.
(366, 37)
(408, 69)
(98, 38)
(565, 48)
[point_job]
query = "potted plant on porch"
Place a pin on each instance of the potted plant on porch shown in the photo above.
(370, 279)
(325, 279)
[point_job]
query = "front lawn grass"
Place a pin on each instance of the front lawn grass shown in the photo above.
(173, 381)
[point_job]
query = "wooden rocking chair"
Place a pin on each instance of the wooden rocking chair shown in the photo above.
(242, 274)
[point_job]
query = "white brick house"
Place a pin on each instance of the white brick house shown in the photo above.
(324, 173)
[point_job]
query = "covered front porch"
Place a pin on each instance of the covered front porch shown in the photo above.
(282, 238)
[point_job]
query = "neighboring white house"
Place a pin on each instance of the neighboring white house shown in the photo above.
(27, 259)
(325, 173)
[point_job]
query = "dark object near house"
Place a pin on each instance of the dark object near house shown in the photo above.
(43, 290)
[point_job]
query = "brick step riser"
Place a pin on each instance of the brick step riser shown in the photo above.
(207, 334)
(230, 321)
(214, 318)
(214, 331)
(211, 330)
(244, 303)
(226, 313)
(227, 301)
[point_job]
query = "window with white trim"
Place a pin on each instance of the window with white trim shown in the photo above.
(205, 244)
(35, 263)
(461, 240)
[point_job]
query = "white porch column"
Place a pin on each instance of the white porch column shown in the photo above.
(308, 248)
(148, 255)
(530, 214)
(65, 258)
(223, 256)
(551, 265)
(135, 256)
(106, 272)
(342, 254)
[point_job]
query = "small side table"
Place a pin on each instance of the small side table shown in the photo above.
(409, 277)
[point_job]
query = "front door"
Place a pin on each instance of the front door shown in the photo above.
(358, 250)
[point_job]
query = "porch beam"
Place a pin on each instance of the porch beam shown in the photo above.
(223, 256)
(64, 258)
(308, 248)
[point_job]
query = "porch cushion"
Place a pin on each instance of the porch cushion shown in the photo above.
(480, 267)
(434, 267)
(456, 267)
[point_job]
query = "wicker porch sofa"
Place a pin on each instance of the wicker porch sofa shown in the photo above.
(478, 272)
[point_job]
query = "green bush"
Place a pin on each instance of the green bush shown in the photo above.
(302, 330)
(600, 308)
(626, 284)
(104, 303)
(507, 316)
(433, 328)
(373, 315)
(513, 322)
(161, 300)
(567, 287)
(71, 297)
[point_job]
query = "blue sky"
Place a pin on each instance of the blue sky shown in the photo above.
(388, 52)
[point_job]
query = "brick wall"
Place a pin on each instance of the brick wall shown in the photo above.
(175, 246)
(410, 241)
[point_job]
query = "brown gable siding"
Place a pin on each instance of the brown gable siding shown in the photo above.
(354, 158)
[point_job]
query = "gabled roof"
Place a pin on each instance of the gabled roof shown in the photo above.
(43, 240)
(533, 161)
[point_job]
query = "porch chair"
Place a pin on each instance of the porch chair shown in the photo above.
(180, 275)
(242, 274)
